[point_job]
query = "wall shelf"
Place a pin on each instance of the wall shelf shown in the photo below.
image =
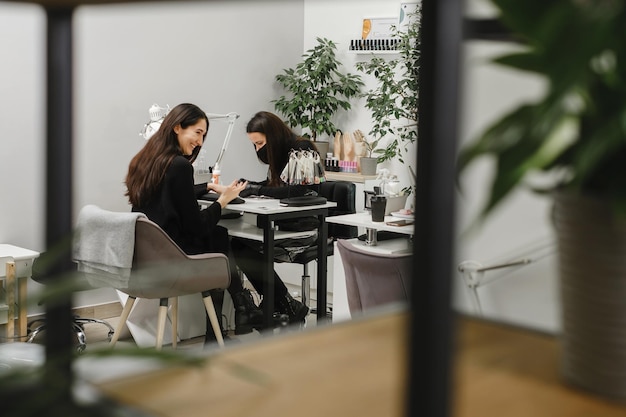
(373, 52)
(349, 176)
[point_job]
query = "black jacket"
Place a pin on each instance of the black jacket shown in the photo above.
(175, 209)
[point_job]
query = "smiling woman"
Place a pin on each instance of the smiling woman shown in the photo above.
(191, 137)
(161, 185)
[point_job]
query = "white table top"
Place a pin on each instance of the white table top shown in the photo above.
(384, 247)
(267, 206)
(364, 219)
(16, 252)
(239, 228)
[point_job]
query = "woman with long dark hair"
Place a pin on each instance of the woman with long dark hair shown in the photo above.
(160, 184)
(273, 142)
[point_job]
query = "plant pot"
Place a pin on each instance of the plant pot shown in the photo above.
(592, 276)
(322, 148)
(368, 165)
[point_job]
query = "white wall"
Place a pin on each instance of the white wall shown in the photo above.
(525, 295)
(120, 73)
(342, 21)
(220, 55)
(22, 124)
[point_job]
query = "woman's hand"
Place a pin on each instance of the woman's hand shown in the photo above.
(230, 192)
(218, 188)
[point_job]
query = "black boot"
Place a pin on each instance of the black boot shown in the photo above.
(247, 315)
(279, 319)
(293, 308)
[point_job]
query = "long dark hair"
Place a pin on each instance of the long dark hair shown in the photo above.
(280, 139)
(147, 169)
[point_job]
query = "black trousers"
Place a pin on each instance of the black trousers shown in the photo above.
(220, 243)
(252, 262)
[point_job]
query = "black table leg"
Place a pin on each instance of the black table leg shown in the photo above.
(268, 274)
(322, 272)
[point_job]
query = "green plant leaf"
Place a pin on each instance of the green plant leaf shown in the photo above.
(393, 103)
(317, 90)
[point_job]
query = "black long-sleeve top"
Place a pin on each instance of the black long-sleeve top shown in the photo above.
(174, 207)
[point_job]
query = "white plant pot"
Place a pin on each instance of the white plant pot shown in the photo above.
(368, 165)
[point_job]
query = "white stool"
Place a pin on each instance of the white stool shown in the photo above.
(18, 268)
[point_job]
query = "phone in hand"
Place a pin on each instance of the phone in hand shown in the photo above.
(399, 222)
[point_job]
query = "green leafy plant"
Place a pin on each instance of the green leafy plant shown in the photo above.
(393, 103)
(576, 132)
(317, 90)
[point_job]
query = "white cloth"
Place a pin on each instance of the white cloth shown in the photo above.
(104, 244)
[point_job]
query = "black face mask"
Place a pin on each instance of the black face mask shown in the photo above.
(262, 154)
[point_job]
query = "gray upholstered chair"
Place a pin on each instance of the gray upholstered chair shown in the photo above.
(160, 270)
(374, 279)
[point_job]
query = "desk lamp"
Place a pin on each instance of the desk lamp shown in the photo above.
(157, 114)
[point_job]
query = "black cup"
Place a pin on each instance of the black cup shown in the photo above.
(378, 204)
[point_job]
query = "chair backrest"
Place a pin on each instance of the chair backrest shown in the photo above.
(128, 252)
(374, 279)
(344, 194)
(162, 269)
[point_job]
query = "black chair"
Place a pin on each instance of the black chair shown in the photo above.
(41, 275)
(344, 194)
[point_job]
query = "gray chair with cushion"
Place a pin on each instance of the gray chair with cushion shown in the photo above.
(374, 279)
(159, 270)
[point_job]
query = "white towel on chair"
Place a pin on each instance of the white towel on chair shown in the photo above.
(104, 243)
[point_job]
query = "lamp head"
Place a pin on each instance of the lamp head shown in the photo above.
(157, 114)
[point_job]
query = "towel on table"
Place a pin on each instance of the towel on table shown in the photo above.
(104, 245)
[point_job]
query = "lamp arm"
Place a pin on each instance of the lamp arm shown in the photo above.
(231, 123)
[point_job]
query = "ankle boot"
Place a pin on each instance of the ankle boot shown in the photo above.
(247, 315)
(293, 308)
(279, 319)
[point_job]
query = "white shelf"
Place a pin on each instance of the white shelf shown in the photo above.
(373, 52)
(348, 176)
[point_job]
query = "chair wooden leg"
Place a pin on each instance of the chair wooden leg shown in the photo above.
(22, 316)
(161, 322)
(210, 309)
(10, 294)
(120, 325)
(174, 321)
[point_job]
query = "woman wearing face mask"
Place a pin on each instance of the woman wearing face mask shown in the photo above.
(273, 141)
(160, 184)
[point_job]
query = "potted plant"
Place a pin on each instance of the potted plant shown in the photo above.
(393, 103)
(367, 162)
(574, 134)
(317, 90)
